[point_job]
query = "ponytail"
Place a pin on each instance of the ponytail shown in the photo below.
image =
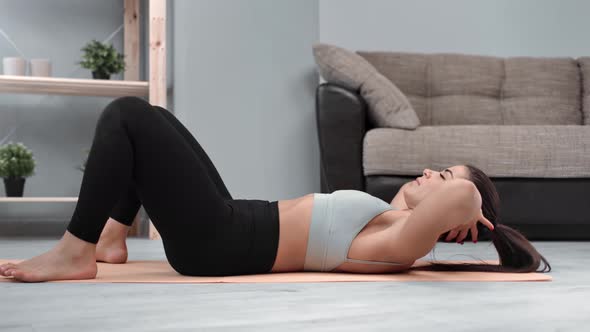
(516, 254)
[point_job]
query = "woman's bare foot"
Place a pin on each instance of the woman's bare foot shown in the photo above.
(112, 247)
(71, 259)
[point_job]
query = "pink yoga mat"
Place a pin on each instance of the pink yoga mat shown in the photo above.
(162, 272)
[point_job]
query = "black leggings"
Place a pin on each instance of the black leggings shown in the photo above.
(141, 154)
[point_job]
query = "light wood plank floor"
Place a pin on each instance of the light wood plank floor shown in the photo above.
(560, 305)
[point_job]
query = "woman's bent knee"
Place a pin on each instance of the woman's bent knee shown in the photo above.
(128, 102)
(124, 109)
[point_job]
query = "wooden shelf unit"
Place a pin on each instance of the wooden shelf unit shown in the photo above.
(154, 88)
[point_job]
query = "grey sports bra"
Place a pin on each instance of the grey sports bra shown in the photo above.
(336, 220)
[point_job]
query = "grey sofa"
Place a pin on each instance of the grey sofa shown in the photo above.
(524, 121)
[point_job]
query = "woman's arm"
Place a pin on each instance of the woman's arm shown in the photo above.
(399, 202)
(454, 204)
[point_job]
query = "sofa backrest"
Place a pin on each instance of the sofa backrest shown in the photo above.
(454, 89)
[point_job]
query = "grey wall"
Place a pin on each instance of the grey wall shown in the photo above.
(240, 77)
(499, 27)
(244, 85)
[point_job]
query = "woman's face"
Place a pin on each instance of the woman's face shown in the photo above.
(430, 181)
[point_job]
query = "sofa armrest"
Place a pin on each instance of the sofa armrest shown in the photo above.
(341, 124)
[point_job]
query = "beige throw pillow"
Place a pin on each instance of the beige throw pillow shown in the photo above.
(388, 106)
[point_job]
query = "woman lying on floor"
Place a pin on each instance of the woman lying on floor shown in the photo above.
(142, 155)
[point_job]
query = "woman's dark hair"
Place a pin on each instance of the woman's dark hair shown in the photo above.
(515, 252)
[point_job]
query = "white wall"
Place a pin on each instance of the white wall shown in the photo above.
(244, 85)
(492, 27)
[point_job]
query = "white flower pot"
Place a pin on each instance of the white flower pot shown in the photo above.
(40, 67)
(14, 66)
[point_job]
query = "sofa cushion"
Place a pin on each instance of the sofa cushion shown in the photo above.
(585, 70)
(501, 151)
(461, 89)
(541, 91)
(388, 107)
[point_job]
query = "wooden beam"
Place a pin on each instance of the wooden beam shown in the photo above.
(43, 199)
(131, 33)
(131, 52)
(157, 66)
(72, 86)
(157, 53)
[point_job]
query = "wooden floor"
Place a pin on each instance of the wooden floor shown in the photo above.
(560, 305)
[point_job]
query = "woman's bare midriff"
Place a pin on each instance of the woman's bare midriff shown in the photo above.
(295, 219)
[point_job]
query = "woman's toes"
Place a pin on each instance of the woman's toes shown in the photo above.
(5, 267)
(17, 274)
(8, 272)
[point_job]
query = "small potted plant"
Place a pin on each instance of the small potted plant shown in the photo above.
(102, 59)
(16, 163)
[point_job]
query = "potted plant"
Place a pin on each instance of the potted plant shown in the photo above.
(102, 59)
(16, 163)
